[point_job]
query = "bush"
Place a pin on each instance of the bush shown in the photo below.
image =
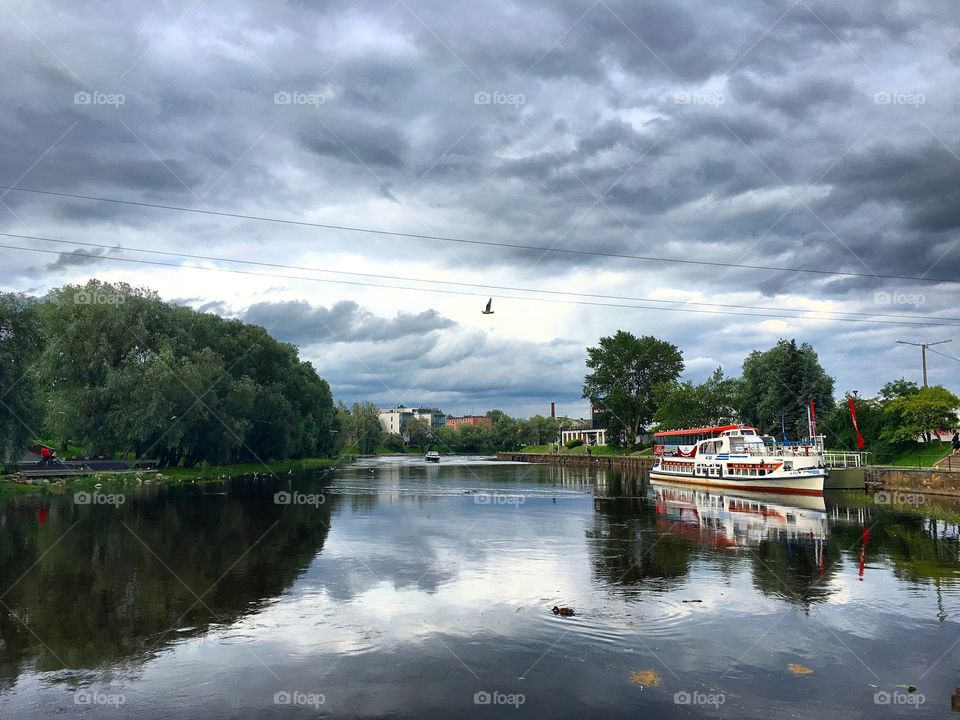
(571, 444)
(393, 442)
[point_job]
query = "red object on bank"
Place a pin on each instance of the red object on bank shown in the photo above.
(853, 414)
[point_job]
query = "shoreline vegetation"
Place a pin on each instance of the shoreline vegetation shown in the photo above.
(164, 476)
(921, 458)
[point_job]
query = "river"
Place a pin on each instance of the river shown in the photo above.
(393, 588)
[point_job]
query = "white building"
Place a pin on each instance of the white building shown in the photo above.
(394, 420)
(589, 437)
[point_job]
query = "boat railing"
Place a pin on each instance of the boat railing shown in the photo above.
(777, 451)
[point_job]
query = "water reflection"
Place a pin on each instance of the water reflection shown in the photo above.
(405, 584)
(83, 586)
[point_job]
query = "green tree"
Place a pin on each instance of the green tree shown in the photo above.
(685, 405)
(393, 442)
(20, 344)
(919, 414)
(419, 433)
(837, 425)
(126, 371)
(897, 389)
(540, 430)
(367, 428)
(344, 426)
(783, 380)
(624, 372)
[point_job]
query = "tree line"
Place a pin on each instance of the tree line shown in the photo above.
(360, 428)
(113, 368)
(634, 383)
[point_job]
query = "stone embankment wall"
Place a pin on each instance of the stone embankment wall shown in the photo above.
(935, 482)
(615, 462)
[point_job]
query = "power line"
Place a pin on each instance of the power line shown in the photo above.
(483, 286)
(489, 243)
(464, 292)
(941, 354)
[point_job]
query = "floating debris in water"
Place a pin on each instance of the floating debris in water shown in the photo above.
(686, 601)
(646, 677)
(799, 669)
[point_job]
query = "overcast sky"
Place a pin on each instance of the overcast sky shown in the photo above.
(814, 134)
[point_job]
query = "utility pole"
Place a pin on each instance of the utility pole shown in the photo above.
(923, 353)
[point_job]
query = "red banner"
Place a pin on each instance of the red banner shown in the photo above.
(853, 414)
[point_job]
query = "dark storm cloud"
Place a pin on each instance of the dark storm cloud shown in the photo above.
(923, 179)
(807, 96)
(369, 147)
(78, 257)
(304, 324)
(735, 132)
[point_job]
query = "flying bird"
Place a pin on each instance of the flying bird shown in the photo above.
(488, 310)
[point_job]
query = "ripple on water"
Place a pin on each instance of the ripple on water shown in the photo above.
(661, 618)
(236, 639)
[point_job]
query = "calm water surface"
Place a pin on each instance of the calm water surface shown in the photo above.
(395, 589)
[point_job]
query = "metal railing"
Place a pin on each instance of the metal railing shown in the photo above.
(844, 459)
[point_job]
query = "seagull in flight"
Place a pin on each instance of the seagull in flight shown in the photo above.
(488, 310)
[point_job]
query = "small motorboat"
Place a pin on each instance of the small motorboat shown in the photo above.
(432, 456)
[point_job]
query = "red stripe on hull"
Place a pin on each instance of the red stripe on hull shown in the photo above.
(777, 489)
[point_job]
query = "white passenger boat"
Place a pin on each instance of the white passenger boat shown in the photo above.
(736, 457)
(432, 456)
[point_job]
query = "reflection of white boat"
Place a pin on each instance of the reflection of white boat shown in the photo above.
(736, 521)
(736, 458)
(432, 456)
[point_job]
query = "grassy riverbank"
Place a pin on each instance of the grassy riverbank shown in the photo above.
(168, 476)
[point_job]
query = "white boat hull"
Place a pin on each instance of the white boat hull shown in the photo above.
(809, 483)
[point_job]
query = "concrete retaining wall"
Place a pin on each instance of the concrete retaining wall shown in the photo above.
(617, 462)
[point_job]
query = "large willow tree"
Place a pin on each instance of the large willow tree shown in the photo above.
(20, 406)
(124, 371)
